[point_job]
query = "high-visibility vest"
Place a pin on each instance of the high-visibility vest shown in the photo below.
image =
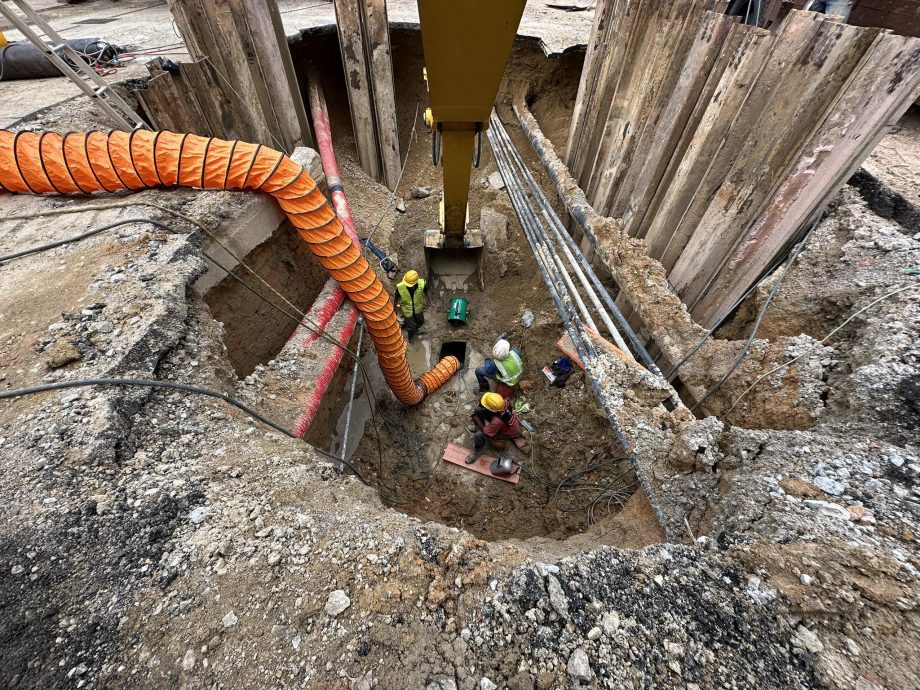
(411, 303)
(510, 369)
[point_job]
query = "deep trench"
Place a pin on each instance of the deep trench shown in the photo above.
(572, 444)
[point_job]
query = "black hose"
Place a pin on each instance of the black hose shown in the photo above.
(149, 383)
(82, 236)
(319, 332)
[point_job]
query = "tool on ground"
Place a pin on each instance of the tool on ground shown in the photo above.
(526, 322)
(503, 467)
(559, 371)
(458, 311)
(457, 455)
(69, 62)
(463, 80)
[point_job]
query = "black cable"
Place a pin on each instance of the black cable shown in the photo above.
(148, 383)
(763, 310)
(319, 332)
(325, 336)
(722, 319)
(82, 236)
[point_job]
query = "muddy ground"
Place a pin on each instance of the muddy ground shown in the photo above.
(153, 539)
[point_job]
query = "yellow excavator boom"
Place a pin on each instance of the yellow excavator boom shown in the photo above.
(466, 45)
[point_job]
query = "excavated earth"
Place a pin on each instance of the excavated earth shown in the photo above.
(152, 538)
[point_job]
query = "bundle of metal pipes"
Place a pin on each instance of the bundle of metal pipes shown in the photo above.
(575, 316)
(514, 171)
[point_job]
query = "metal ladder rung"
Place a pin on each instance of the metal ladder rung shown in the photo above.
(40, 34)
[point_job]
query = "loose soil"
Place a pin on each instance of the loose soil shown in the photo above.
(571, 434)
(253, 330)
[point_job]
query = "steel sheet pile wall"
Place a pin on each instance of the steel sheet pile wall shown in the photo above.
(242, 84)
(717, 142)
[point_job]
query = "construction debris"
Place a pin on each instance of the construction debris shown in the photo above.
(156, 538)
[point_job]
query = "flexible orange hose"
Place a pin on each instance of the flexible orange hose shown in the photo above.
(96, 161)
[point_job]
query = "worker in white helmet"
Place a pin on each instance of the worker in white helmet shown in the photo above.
(506, 367)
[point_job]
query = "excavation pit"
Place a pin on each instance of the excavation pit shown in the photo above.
(574, 473)
(254, 331)
(454, 348)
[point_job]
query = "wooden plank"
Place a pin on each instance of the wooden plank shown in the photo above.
(645, 70)
(377, 34)
(245, 66)
(714, 34)
(249, 72)
(171, 102)
(596, 110)
(457, 455)
(901, 16)
(239, 81)
(751, 112)
(220, 111)
(351, 41)
(615, 98)
(819, 58)
(306, 137)
(598, 44)
(708, 140)
(663, 188)
(268, 52)
(879, 92)
(673, 43)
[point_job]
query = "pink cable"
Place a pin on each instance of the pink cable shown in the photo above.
(324, 379)
(323, 131)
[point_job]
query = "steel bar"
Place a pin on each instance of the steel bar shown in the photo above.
(351, 396)
(570, 320)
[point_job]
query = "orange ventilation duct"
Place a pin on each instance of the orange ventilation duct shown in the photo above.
(95, 162)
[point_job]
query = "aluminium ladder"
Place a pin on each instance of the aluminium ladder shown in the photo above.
(55, 48)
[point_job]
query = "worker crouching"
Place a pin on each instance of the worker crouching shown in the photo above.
(505, 368)
(496, 424)
(410, 296)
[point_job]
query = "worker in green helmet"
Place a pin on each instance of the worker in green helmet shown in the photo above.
(410, 296)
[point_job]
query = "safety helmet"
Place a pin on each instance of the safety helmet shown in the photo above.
(411, 277)
(501, 349)
(493, 402)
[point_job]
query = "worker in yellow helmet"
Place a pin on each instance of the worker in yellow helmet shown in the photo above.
(410, 297)
(496, 424)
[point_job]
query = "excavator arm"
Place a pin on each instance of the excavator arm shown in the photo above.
(466, 45)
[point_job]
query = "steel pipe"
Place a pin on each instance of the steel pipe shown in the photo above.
(550, 215)
(579, 211)
(351, 396)
(584, 347)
